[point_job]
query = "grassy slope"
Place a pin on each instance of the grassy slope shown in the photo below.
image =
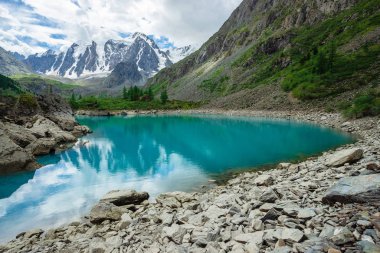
(293, 67)
(33, 79)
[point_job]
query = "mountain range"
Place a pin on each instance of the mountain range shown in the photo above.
(133, 60)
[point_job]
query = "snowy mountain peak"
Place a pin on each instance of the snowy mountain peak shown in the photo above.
(178, 53)
(88, 59)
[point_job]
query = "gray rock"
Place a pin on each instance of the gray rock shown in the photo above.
(125, 197)
(174, 199)
(167, 218)
(105, 211)
(369, 247)
(314, 245)
(283, 249)
(256, 238)
(269, 196)
(12, 157)
(265, 180)
(306, 213)
(272, 214)
(344, 156)
(42, 146)
(291, 234)
(174, 233)
(342, 236)
(327, 231)
(360, 189)
(214, 212)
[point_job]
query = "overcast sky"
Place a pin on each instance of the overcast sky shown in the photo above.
(33, 26)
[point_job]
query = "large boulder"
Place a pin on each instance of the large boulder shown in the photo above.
(18, 134)
(344, 156)
(44, 127)
(360, 189)
(12, 157)
(105, 211)
(42, 146)
(125, 197)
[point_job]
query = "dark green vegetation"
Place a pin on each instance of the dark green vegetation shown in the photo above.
(9, 87)
(365, 104)
(111, 103)
(309, 52)
(133, 98)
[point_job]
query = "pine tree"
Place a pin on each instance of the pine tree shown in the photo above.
(125, 93)
(73, 102)
(164, 97)
(150, 94)
(332, 56)
(322, 63)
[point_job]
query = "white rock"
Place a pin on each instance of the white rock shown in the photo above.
(306, 213)
(344, 156)
(256, 237)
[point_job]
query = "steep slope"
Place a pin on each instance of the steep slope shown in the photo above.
(274, 54)
(9, 65)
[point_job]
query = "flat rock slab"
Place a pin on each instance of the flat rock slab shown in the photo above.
(344, 156)
(360, 189)
(125, 197)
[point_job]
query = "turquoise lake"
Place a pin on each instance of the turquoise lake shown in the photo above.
(150, 153)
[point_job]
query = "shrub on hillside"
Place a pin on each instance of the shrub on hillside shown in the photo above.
(365, 104)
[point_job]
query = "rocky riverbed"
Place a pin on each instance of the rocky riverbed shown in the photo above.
(328, 204)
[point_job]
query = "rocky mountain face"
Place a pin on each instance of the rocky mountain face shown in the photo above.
(101, 60)
(267, 54)
(10, 65)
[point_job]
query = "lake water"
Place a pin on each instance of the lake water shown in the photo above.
(150, 153)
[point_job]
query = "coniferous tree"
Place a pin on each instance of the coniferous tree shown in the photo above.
(164, 96)
(322, 63)
(332, 56)
(125, 93)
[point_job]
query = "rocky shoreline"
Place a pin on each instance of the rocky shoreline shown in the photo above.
(28, 131)
(328, 203)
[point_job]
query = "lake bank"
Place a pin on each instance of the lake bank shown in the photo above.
(228, 217)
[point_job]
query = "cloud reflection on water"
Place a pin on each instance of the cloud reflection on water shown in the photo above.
(59, 193)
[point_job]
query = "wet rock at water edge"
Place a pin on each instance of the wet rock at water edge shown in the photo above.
(125, 197)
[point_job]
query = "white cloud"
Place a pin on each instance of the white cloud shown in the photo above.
(183, 22)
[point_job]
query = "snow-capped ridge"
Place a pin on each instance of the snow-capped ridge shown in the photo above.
(83, 59)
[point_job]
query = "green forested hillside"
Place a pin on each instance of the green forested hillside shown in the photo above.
(9, 87)
(284, 54)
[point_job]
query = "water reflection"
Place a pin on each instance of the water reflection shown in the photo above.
(154, 154)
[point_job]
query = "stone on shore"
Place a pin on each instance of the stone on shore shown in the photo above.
(12, 157)
(265, 180)
(344, 156)
(125, 197)
(359, 189)
(105, 211)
